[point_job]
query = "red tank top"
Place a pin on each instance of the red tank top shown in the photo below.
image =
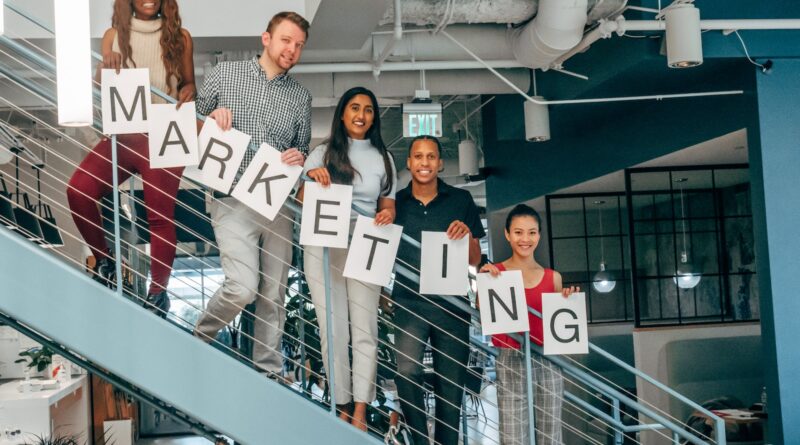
(533, 296)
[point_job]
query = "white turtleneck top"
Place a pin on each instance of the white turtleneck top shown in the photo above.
(146, 53)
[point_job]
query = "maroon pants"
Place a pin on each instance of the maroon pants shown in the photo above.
(92, 180)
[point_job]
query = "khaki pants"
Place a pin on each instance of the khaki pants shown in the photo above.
(355, 315)
(251, 275)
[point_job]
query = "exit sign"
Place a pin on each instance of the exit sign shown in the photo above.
(422, 119)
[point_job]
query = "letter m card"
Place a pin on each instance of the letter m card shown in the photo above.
(504, 309)
(565, 324)
(125, 100)
(326, 215)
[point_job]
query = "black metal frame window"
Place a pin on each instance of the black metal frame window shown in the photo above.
(585, 230)
(692, 250)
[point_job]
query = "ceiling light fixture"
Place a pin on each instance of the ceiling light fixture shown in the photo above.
(467, 151)
(537, 116)
(73, 63)
(686, 276)
(603, 280)
(684, 40)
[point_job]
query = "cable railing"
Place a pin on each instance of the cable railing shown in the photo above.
(579, 376)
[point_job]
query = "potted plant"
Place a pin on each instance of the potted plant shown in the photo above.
(38, 358)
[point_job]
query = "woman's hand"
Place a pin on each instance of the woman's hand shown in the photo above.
(320, 175)
(112, 60)
(491, 269)
(384, 217)
(567, 291)
(186, 94)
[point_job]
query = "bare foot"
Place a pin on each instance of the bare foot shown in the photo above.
(360, 416)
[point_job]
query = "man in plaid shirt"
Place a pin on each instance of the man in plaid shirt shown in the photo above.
(259, 98)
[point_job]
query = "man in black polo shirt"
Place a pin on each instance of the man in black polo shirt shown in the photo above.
(428, 204)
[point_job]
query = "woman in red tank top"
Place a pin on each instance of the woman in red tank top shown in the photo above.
(522, 232)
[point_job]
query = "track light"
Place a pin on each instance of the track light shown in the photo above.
(537, 121)
(684, 41)
(73, 63)
(467, 157)
(2, 17)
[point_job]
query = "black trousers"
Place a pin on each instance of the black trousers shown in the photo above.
(417, 321)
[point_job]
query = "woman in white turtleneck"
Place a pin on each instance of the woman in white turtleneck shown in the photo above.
(143, 34)
(356, 155)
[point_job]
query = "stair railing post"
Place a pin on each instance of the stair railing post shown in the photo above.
(326, 271)
(529, 387)
(618, 418)
(117, 242)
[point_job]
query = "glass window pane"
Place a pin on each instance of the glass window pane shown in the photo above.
(649, 299)
(709, 303)
(605, 209)
(739, 246)
(663, 206)
(669, 300)
(647, 181)
(736, 200)
(569, 258)
(646, 256)
(642, 207)
(566, 215)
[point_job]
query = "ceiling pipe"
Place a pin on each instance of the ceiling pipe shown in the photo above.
(603, 30)
(557, 27)
(433, 65)
(716, 25)
(396, 37)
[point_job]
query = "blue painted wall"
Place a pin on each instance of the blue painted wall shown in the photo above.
(592, 140)
(775, 163)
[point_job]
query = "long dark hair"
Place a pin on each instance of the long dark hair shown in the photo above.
(523, 210)
(173, 44)
(337, 160)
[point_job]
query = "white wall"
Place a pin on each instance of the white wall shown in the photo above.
(649, 346)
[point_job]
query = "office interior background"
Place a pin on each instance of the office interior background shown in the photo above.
(648, 153)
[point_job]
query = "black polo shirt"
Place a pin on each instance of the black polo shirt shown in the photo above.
(450, 204)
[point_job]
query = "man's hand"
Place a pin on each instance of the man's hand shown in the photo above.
(292, 156)
(457, 230)
(320, 175)
(223, 117)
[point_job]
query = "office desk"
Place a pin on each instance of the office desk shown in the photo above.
(60, 411)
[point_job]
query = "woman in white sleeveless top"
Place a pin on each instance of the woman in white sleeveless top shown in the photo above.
(143, 34)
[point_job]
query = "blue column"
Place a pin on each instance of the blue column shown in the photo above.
(775, 165)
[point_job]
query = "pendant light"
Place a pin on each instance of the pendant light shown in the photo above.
(73, 63)
(2, 18)
(603, 280)
(686, 276)
(51, 235)
(6, 207)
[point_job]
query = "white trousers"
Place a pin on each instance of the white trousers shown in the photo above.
(355, 316)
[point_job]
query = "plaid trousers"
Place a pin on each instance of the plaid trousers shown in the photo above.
(512, 398)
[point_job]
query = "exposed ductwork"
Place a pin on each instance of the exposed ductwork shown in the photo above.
(557, 28)
(432, 12)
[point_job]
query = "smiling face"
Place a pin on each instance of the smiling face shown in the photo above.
(424, 162)
(146, 9)
(523, 235)
(284, 45)
(358, 115)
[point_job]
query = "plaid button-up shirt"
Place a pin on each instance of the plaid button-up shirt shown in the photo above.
(276, 111)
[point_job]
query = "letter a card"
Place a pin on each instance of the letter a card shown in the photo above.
(372, 251)
(503, 306)
(326, 215)
(173, 136)
(444, 265)
(565, 324)
(125, 100)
